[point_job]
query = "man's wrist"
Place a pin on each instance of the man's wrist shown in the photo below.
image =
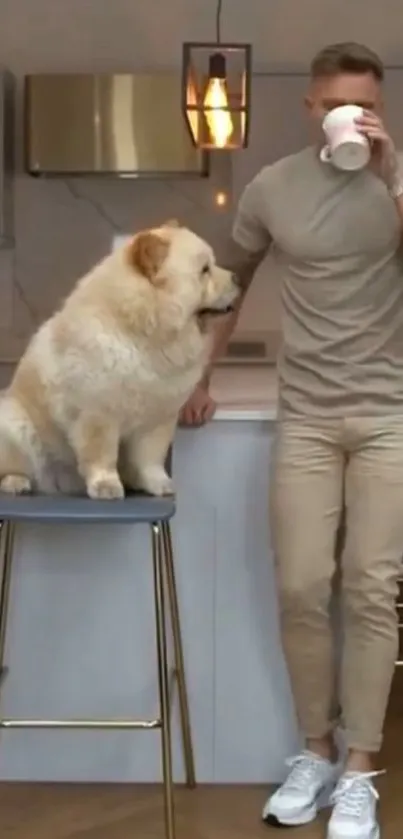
(206, 378)
(396, 188)
(394, 179)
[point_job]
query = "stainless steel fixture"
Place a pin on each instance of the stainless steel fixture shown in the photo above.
(120, 124)
(7, 119)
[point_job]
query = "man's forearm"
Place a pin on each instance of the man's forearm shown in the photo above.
(399, 208)
(243, 264)
(394, 185)
(221, 338)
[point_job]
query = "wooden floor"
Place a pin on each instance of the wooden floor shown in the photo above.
(64, 812)
(126, 812)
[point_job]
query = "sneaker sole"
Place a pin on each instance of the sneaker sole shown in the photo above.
(298, 821)
(272, 821)
(308, 817)
(376, 834)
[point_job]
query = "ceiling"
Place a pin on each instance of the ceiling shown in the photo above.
(119, 34)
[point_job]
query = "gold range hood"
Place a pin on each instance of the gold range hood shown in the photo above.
(121, 125)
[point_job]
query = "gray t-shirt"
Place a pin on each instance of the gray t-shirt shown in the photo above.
(336, 237)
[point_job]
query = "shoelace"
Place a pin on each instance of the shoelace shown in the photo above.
(303, 770)
(354, 792)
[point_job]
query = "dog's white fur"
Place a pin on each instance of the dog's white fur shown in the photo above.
(95, 399)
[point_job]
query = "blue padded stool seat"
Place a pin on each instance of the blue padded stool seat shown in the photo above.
(63, 509)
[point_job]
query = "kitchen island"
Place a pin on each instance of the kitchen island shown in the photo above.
(81, 630)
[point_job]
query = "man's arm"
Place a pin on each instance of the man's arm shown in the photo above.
(387, 162)
(243, 263)
(248, 246)
(395, 186)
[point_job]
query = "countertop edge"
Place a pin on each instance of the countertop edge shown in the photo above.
(237, 414)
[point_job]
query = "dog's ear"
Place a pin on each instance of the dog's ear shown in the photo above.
(147, 254)
(172, 222)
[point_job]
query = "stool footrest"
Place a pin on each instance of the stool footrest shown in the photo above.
(146, 725)
(124, 725)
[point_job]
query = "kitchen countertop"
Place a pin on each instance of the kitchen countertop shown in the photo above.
(245, 392)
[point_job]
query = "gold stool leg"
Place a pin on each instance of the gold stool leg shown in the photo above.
(163, 677)
(6, 542)
(179, 657)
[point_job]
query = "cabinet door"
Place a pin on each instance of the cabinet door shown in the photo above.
(255, 727)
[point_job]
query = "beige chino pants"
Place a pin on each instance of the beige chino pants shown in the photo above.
(319, 466)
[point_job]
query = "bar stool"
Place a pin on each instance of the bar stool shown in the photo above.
(134, 509)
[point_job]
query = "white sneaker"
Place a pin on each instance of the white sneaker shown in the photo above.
(306, 790)
(355, 802)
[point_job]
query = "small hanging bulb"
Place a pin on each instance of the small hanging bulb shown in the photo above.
(216, 112)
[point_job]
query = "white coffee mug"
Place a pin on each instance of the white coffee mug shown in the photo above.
(346, 148)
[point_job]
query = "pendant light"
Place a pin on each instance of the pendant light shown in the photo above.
(216, 87)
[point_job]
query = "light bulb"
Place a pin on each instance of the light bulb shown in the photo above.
(221, 199)
(218, 119)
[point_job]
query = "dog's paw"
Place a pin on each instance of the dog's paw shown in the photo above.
(156, 482)
(16, 485)
(105, 485)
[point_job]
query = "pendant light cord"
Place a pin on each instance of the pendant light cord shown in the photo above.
(218, 21)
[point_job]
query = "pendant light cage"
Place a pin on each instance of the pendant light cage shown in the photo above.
(216, 93)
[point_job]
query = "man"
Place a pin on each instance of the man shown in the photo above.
(339, 443)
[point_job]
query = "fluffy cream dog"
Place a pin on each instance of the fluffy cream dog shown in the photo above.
(95, 399)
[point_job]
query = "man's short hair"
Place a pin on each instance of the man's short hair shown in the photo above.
(348, 57)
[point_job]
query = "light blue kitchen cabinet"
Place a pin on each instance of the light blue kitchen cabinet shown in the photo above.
(81, 637)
